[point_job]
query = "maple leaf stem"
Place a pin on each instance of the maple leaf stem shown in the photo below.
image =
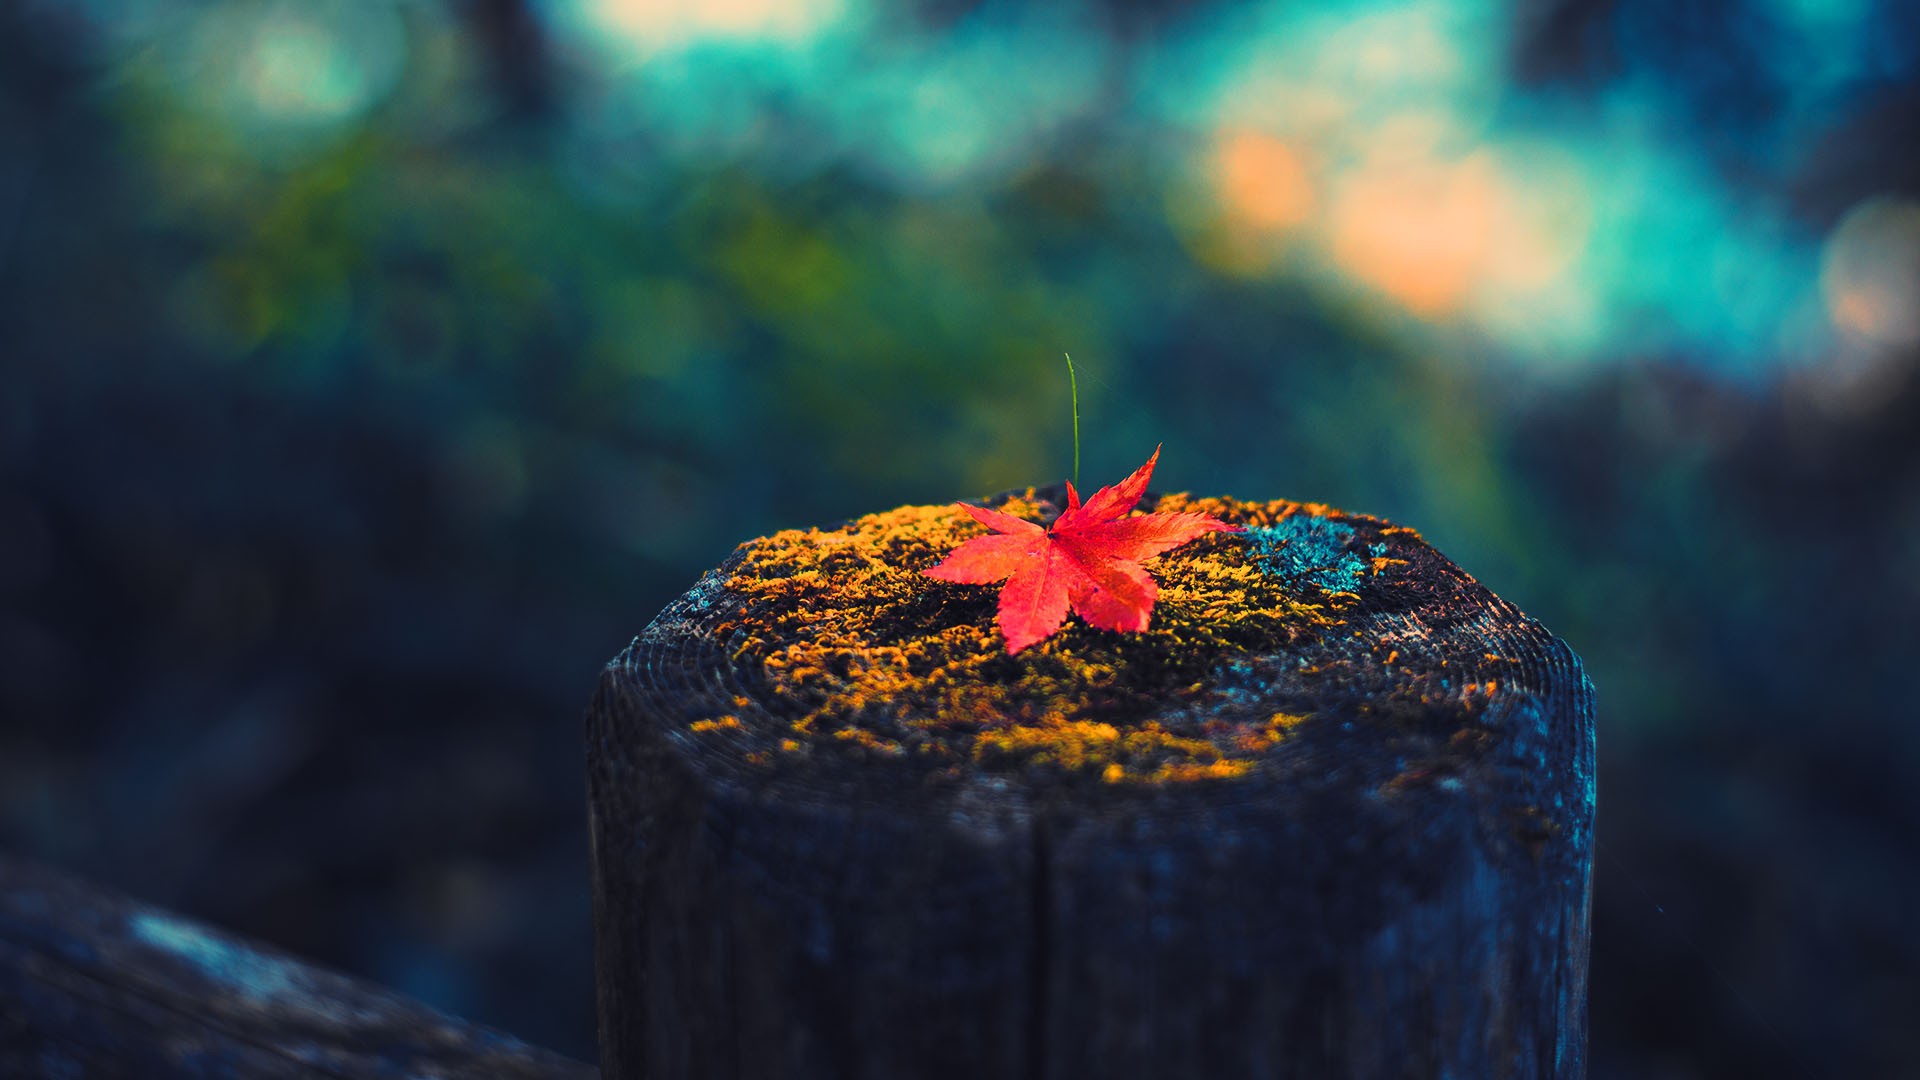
(1073, 389)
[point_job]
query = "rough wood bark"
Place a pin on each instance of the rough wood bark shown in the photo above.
(1399, 887)
(95, 985)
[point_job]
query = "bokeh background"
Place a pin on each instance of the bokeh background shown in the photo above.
(375, 369)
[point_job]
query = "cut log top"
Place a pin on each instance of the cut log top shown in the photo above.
(1316, 643)
(1329, 816)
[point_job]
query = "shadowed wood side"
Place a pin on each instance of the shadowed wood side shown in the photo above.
(96, 985)
(1374, 861)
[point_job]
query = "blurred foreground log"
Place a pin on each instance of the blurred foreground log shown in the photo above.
(1330, 816)
(96, 985)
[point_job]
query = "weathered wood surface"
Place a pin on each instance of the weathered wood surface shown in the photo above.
(1397, 887)
(96, 985)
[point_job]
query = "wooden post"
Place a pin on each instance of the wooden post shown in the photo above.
(93, 984)
(1331, 816)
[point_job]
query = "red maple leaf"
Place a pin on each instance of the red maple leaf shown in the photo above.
(1089, 560)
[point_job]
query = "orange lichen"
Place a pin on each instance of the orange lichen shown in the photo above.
(861, 651)
(719, 723)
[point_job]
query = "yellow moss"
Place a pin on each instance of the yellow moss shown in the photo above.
(1269, 735)
(1118, 756)
(859, 647)
(1070, 744)
(863, 737)
(1224, 769)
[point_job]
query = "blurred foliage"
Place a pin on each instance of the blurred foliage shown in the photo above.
(375, 370)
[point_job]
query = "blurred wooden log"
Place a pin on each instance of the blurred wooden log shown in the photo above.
(96, 985)
(1331, 817)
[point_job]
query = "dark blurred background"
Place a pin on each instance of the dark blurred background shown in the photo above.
(375, 369)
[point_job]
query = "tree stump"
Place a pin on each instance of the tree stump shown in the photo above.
(1329, 816)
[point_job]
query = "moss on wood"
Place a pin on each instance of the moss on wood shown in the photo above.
(865, 655)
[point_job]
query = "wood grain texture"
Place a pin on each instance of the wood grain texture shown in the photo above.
(1399, 887)
(96, 985)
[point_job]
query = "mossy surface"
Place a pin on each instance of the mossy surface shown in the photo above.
(862, 654)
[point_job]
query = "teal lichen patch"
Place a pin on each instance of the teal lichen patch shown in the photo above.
(1310, 549)
(261, 978)
(862, 653)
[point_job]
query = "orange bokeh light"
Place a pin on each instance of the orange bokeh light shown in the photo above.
(1870, 272)
(1262, 181)
(670, 22)
(1420, 234)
